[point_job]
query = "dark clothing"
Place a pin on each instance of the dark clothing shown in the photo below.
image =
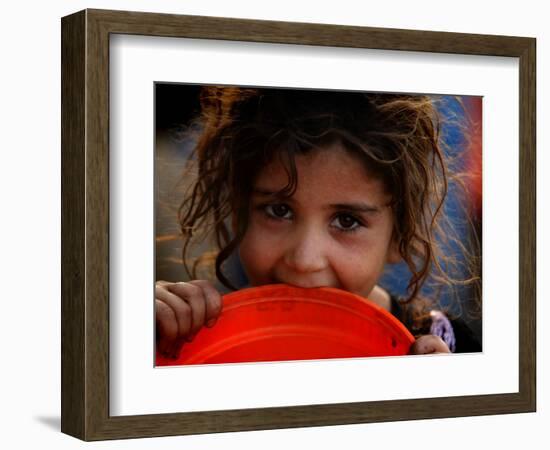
(464, 339)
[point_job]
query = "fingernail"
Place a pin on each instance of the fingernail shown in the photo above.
(211, 323)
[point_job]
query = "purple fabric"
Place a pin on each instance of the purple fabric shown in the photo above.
(441, 326)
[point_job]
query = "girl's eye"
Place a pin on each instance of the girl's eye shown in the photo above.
(346, 222)
(278, 211)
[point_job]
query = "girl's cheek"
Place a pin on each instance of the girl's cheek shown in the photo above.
(259, 242)
(270, 231)
(353, 246)
(262, 222)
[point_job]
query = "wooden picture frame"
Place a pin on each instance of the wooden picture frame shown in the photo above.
(85, 224)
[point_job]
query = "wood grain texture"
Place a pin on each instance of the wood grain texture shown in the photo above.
(201, 27)
(85, 224)
(527, 224)
(97, 225)
(73, 226)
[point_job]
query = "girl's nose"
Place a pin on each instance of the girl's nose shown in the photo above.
(306, 252)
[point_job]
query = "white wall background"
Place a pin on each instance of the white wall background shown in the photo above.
(30, 227)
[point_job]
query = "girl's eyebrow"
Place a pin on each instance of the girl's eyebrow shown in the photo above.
(355, 207)
(262, 191)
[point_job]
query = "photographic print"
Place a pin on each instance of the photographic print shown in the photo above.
(303, 224)
(292, 226)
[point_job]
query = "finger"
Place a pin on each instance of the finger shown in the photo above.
(214, 302)
(429, 344)
(180, 308)
(167, 327)
(195, 298)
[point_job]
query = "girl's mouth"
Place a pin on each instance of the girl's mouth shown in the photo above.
(302, 283)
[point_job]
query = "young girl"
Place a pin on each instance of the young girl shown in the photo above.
(311, 189)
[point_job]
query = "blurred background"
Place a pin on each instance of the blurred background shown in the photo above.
(176, 105)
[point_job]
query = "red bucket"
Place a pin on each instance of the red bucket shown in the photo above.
(283, 323)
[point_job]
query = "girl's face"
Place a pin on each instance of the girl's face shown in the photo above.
(336, 230)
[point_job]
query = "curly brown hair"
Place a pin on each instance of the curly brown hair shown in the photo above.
(397, 136)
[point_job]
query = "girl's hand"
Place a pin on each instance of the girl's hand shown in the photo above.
(181, 310)
(429, 344)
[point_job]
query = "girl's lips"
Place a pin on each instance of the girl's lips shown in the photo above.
(306, 284)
